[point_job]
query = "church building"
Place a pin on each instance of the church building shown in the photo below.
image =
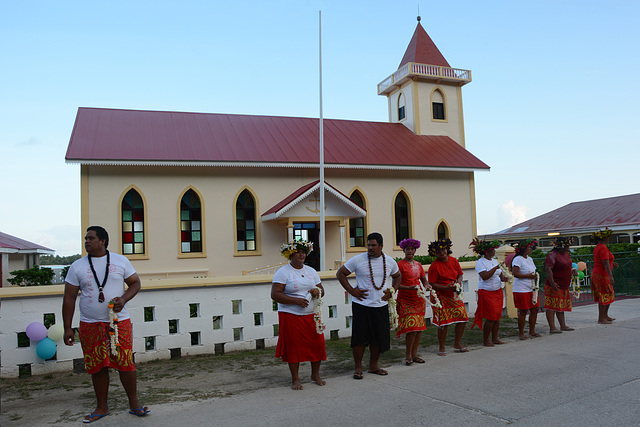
(200, 195)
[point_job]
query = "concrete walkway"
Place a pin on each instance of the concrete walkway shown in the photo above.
(587, 377)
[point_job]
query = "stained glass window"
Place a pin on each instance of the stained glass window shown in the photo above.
(245, 222)
(132, 223)
(190, 223)
(357, 232)
(401, 217)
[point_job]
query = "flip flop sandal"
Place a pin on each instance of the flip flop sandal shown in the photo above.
(358, 376)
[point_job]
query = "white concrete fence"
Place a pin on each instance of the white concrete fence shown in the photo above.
(176, 317)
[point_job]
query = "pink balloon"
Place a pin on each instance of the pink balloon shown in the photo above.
(508, 259)
(582, 266)
(36, 331)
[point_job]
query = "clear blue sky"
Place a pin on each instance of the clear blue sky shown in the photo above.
(553, 106)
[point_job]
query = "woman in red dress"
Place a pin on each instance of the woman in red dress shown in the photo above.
(602, 275)
(411, 306)
(445, 276)
(557, 298)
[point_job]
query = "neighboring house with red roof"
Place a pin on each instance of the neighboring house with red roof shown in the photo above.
(18, 254)
(578, 220)
(192, 194)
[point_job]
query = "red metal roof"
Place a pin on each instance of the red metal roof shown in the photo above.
(423, 50)
(11, 242)
(582, 216)
(129, 136)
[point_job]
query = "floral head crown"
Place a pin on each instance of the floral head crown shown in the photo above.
(601, 234)
(440, 244)
(524, 244)
(483, 246)
(288, 249)
(406, 243)
(562, 242)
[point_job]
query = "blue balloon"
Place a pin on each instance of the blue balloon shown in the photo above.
(574, 265)
(46, 349)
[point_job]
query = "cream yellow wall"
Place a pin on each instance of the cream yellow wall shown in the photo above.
(451, 126)
(418, 110)
(434, 196)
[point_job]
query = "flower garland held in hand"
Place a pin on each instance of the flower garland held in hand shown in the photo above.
(506, 271)
(459, 295)
(113, 329)
(317, 313)
(575, 284)
(536, 288)
(393, 312)
(422, 294)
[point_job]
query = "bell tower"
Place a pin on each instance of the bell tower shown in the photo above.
(425, 93)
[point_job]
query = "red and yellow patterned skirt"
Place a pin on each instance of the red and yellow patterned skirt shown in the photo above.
(602, 289)
(411, 315)
(452, 311)
(96, 346)
(559, 300)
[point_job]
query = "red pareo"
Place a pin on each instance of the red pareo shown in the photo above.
(298, 340)
(600, 283)
(96, 346)
(489, 306)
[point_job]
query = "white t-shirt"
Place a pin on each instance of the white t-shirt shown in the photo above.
(527, 266)
(359, 264)
(493, 283)
(297, 284)
(79, 274)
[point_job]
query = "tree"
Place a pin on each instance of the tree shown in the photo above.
(34, 276)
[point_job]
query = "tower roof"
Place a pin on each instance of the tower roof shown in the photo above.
(423, 50)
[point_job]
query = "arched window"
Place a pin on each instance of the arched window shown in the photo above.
(401, 212)
(443, 231)
(401, 107)
(190, 223)
(357, 229)
(438, 105)
(132, 223)
(245, 222)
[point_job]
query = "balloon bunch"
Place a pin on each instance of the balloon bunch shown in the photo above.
(46, 347)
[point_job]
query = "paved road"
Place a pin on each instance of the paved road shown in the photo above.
(588, 377)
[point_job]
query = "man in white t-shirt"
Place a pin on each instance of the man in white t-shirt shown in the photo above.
(375, 274)
(100, 277)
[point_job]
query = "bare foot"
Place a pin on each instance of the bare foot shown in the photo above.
(534, 335)
(604, 322)
(498, 342)
(318, 380)
(522, 338)
(295, 385)
(488, 344)
(610, 319)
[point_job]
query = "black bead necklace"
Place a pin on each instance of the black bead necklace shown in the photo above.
(95, 276)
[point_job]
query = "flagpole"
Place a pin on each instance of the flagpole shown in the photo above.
(322, 227)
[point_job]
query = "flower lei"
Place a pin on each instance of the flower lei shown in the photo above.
(423, 294)
(459, 295)
(113, 329)
(393, 312)
(317, 313)
(536, 288)
(575, 283)
(384, 271)
(506, 271)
